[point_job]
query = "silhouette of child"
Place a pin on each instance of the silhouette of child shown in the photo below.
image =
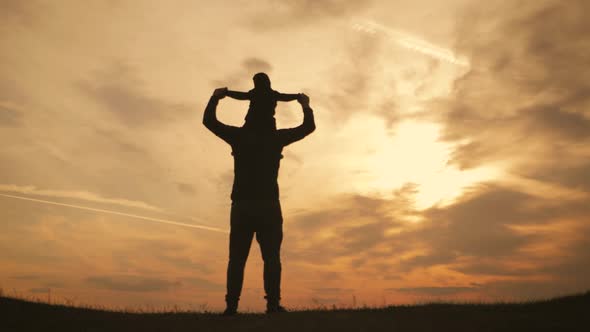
(263, 101)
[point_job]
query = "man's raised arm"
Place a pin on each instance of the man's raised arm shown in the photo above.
(210, 120)
(291, 135)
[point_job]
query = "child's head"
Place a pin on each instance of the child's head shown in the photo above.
(262, 97)
(262, 105)
(261, 81)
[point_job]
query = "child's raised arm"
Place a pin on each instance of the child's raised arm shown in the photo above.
(287, 96)
(238, 95)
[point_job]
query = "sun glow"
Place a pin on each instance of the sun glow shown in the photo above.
(416, 155)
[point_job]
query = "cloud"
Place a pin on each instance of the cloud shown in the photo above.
(526, 289)
(118, 142)
(119, 91)
(172, 252)
(478, 225)
(435, 291)
(431, 259)
(491, 231)
(483, 266)
(369, 79)
(10, 115)
(523, 104)
(528, 93)
(131, 283)
(138, 283)
(559, 124)
(40, 290)
(203, 284)
(575, 176)
(12, 96)
(22, 12)
(186, 188)
(176, 252)
(353, 79)
(243, 74)
(25, 277)
(332, 290)
(498, 232)
(567, 270)
(276, 14)
(354, 227)
(256, 65)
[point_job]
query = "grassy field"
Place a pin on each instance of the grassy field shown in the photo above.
(570, 313)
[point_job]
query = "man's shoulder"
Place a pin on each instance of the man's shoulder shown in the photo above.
(252, 141)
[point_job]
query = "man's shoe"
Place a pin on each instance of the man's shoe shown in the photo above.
(230, 311)
(270, 309)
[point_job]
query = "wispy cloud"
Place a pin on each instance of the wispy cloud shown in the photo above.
(274, 14)
(435, 291)
(410, 42)
(120, 91)
(10, 114)
(244, 73)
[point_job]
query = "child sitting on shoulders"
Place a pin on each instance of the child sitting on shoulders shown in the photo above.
(263, 101)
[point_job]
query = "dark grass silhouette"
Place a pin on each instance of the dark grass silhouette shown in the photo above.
(569, 313)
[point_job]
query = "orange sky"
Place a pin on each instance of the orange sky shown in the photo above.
(450, 159)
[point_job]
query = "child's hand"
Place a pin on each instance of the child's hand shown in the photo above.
(303, 99)
(220, 93)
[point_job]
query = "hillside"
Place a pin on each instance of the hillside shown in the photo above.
(570, 313)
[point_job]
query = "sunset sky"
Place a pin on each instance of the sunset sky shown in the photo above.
(451, 158)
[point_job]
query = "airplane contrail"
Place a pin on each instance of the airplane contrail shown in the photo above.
(408, 41)
(157, 220)
(83, 195)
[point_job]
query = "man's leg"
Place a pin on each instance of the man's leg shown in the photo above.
(270, 237)
(240, 239)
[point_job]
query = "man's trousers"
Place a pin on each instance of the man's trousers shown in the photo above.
(263, 218)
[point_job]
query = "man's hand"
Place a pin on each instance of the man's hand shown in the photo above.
(303, 99)
(220, 93)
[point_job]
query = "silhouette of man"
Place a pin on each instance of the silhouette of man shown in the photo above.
(256, 149)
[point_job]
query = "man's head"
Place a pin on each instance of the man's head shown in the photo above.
(261, 81)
